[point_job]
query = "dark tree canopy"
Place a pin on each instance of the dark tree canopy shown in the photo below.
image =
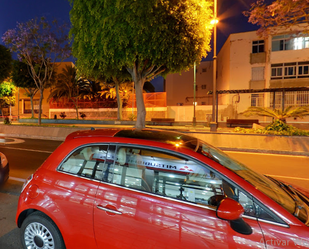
(5, 63)
(21, 75)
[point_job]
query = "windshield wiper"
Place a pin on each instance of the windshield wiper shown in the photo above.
(299, 200)
(299, 204)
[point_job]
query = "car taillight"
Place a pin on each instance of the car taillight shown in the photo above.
(27, 182)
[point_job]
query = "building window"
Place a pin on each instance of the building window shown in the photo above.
(290, 70)
(299, 98)
(203, 87)
(258, 46)
(303, 69)
(257, 99)
(257, 73)
(289, 42)
(27, 106)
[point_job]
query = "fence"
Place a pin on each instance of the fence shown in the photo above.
(150, 100)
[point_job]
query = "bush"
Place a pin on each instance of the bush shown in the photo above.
(82, 115)
(62, 115)
(276, 128)
(7, 121)
(132, 117)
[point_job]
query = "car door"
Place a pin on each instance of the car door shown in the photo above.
(74, 192)
(156, 199)
(279, 234)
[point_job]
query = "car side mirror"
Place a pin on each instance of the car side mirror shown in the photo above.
(232, 211)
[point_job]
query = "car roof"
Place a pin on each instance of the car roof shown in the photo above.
(163, 136)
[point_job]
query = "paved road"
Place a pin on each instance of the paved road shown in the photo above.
(27, 156)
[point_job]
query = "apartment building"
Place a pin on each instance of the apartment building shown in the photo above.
(248, 62)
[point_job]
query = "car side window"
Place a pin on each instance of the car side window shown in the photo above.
(89, 162)
(172, 176)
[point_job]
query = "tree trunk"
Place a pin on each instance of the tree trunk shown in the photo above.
(140, 105)
(139, 80)
(40, 106)
(32, 107)
(76, 106)
(119, 100)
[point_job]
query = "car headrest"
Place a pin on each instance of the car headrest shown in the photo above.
(121, 156)
(87, 153)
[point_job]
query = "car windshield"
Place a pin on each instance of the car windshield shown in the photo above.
(273, 189)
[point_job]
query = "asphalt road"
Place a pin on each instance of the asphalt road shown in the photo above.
(26, 155)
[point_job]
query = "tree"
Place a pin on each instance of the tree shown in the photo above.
(277, 114)
(21, 78)
(7, 94)
(279, 13)
(147, 38)
(39, 45)
(66, 87)
(5, 63)
(90, 89)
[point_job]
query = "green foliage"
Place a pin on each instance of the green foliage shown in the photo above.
(275, 128)
(132, 117)
(109, 33)
(5, 63)
(294, 112)
(7, 121)
(66, 84)
(144, 38)
(7, 93)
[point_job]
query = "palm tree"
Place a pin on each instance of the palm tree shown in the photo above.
(66, 87)
(277, 114)
(121, 91)
(90, 89)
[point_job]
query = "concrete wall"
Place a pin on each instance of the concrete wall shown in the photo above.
(227, 141)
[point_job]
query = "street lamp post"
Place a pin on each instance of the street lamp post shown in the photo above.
(213, 123)
(194, 94)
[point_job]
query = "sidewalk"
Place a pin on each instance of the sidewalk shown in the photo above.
(224, 138)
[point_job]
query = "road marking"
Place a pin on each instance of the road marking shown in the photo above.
(17, 179)
(10, 140)
(290, 177)
(14, 148)
(262, 153)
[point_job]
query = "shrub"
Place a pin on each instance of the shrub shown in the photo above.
(132, 117)
(277, 127)
(7, 121)
(62, 115)
(82, 115)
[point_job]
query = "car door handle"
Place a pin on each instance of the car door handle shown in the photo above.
(108, 210)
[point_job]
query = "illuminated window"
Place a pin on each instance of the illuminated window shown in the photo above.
(289, 42)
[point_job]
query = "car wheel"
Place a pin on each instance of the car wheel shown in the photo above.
(39, 231)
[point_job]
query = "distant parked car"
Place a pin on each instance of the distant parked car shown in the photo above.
(126, 188)
(4, 168)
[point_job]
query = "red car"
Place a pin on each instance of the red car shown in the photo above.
(126, 188)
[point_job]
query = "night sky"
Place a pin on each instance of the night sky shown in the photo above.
(231, 19)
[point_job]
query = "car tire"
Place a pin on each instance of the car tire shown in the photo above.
(39, 231)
